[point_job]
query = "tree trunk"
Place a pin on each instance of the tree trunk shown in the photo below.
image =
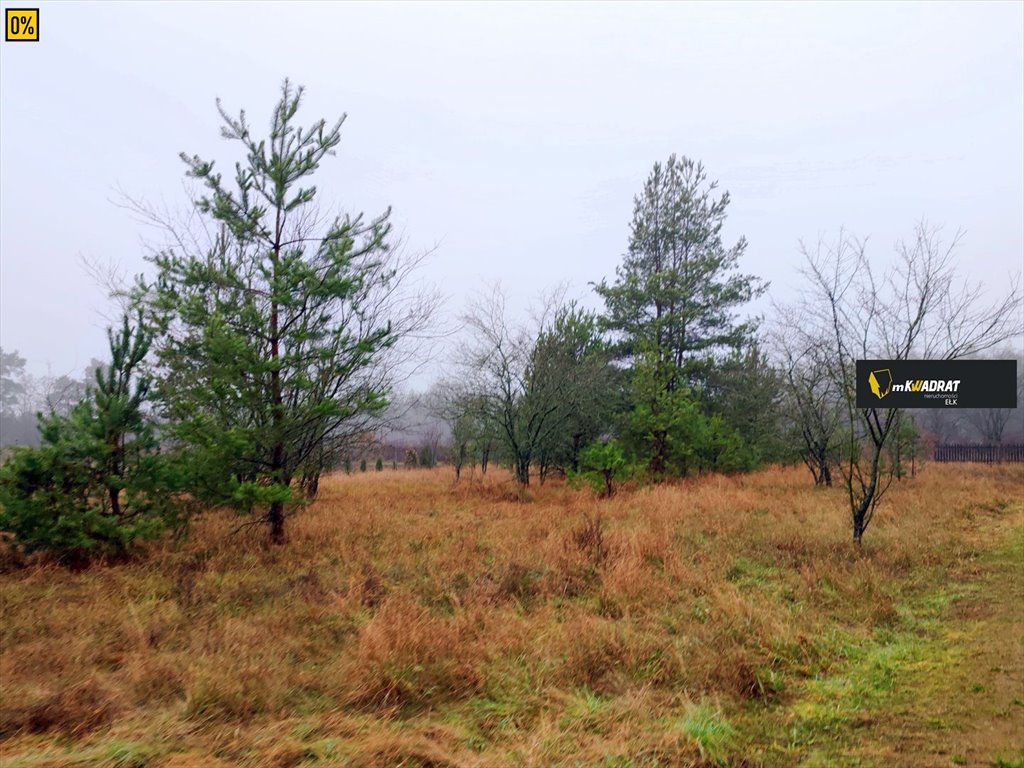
(116, 469)
(858, 525)
(659, 454)
(577, 446)
(523, 469)
(860, 519)
(115, 501)
(276, 515)
(460, 459)
(312, 485)
(276, 520)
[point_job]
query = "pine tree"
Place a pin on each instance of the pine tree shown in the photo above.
(745, 390)
(677, 290)
(98, 482)
(572, 356)
(271, 342)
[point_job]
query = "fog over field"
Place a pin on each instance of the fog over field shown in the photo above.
(513, 136)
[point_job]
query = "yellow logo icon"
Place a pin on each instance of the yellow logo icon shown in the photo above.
(880, 382)
(21, 25)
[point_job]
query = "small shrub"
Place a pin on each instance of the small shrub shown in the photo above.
(427, 458)
(603, 465)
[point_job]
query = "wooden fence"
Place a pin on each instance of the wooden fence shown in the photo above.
(987, 454)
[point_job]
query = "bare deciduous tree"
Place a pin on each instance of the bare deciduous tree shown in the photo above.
(812, 395)
(919, 308)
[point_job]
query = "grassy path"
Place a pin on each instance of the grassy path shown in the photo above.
(944, 686)
(972, 708)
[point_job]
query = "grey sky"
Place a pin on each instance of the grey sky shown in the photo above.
(514, 136)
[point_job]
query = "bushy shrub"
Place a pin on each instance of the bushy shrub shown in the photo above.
(670, 430)
(722, 448)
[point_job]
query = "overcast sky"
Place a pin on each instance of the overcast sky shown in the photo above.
(513, 136)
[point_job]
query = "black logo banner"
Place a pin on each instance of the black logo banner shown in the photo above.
(936, 384)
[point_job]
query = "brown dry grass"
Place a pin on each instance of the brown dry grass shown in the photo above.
(413, 622)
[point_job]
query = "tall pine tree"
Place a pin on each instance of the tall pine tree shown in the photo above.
(677, 291)
(672, 309)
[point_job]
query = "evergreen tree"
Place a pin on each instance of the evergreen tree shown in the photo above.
(677, 290)
(98, 482)
(273, 344)
(573, 354)
(602, 464)
(665, 425)
(745, 391)
(669, 429)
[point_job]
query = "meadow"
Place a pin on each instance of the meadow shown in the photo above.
(410, 621)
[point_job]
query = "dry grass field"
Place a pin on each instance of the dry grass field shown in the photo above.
(412, 622)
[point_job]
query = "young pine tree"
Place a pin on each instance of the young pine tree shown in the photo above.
(98, 482)
(272, 343)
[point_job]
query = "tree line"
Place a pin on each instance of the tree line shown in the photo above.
(265, 345)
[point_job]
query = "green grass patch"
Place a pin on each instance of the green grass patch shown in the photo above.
(712, 734)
